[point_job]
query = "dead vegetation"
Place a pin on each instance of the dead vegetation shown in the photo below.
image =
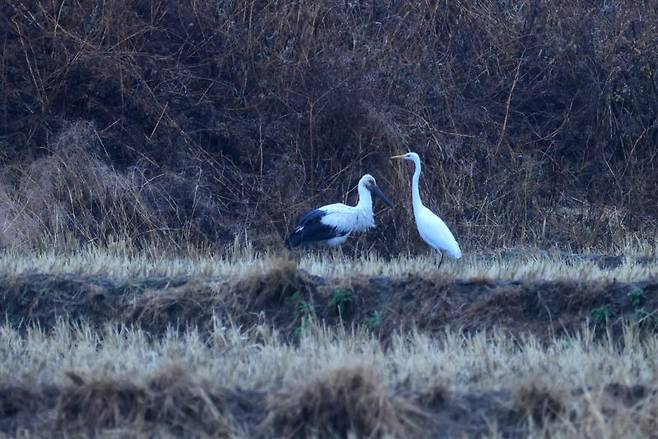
(74, 196)
(171, 398)
(273, 350)
(290, 299)
(205, 122)
(234, 383)
(540, 403)
(346, 400)
(125, 263)
(96, 404)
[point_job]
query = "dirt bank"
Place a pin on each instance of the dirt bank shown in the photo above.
(290, 299)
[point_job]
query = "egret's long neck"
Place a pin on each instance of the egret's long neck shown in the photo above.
(365, 199)
(415, 192)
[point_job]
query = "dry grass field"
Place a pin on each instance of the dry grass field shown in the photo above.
(244, 382)
(117, 343)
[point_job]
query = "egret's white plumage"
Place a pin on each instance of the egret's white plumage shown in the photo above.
(334, 223)
(430, 227)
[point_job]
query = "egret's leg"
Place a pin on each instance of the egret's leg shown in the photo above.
(440, 260)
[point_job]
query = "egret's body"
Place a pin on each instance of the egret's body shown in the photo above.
(332, 224)
(430, 227)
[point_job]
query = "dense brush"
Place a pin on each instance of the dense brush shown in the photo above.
(208, 120)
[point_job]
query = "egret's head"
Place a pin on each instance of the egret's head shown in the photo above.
(411, 156)
(368, 181)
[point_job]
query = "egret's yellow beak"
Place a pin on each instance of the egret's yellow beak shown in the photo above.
(397, 157)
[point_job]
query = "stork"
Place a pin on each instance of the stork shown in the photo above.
(430, 227)
(334, 223)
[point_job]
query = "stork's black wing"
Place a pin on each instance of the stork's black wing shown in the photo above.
(311, 229)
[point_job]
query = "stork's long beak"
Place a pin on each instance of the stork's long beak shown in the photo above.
(379, 194)
(397, 157)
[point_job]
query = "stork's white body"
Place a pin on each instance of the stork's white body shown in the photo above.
(349, 219)
(431, 228)
(334, 223)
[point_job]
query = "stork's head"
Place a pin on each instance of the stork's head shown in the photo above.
(411, 156)
(368, 182)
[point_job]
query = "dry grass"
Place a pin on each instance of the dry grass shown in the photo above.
(173, 397)
(345, 400)
(543, 296)
(329, 383)
(73, 196)
(121, 262)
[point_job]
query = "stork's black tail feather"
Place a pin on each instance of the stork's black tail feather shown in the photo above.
(294, 239)
(312, 230)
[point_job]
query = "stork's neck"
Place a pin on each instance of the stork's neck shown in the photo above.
(365, 199)
(415, 192)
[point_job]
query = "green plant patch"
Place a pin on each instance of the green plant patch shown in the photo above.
(341, 300)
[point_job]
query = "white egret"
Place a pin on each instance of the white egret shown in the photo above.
(334, 223)
(430, 227)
